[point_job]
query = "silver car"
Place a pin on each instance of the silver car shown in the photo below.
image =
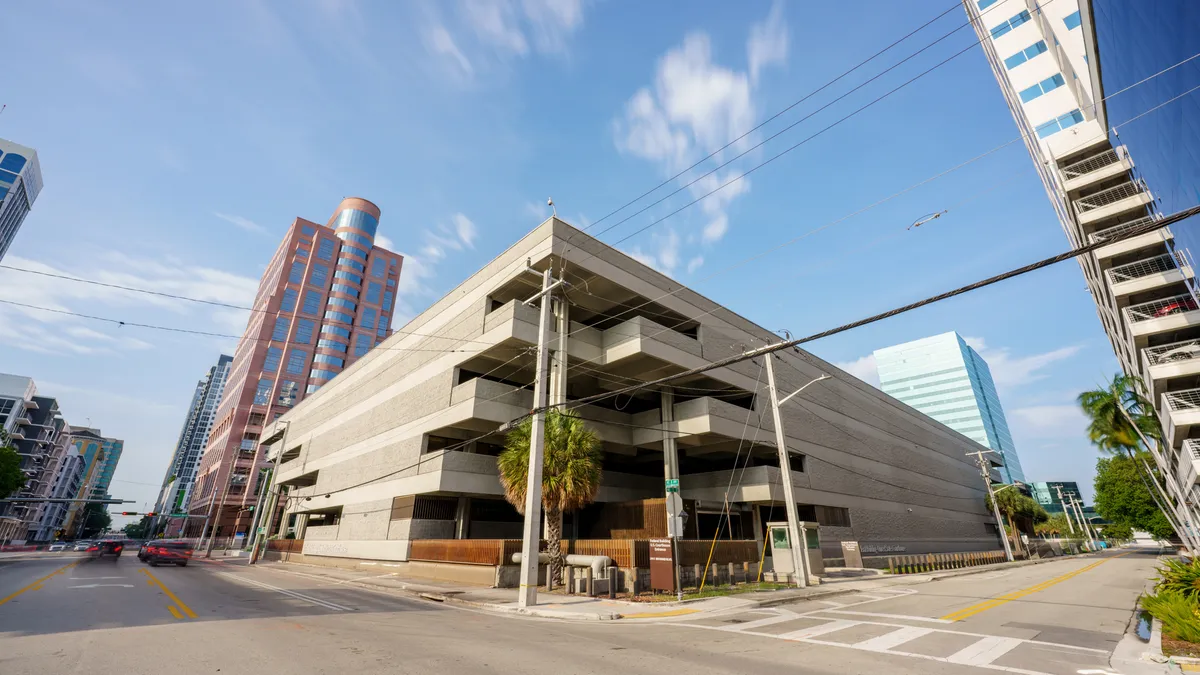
(81, 545)
(58, 546)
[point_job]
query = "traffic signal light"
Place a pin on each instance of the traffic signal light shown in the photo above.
(150, 513)
(129, 513)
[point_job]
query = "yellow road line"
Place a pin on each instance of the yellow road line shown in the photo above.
(37, 585)
(174, 612)
(186, 610)
(968, 612)
(659, 615)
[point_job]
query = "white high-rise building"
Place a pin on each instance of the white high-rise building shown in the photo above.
(20, 183)
(181, 473)
(1072, 73)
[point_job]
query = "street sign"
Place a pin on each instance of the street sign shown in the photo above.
(672, 485)
(262, 530)
(178, 515)
(675, 515)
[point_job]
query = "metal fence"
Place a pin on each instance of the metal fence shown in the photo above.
(1157, 309)
(1091, 164)
(1110, 196)
(1173, 353)
(1117, 230)
(1147, 266)
(625, 553)
(1188, 399)
(930, 562)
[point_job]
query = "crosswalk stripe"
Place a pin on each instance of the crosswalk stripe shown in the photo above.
(893, 639)
(984, 651)
(814, 631)
(764, 622)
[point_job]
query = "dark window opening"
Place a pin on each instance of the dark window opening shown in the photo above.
(494, 511)
(326, 517)
(437, 443)
(435, 508)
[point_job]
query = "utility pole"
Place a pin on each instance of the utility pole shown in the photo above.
(272, 497)
(531, 541)
(799, 546)
(1087, 525)
(987, 481)
(1066, 510)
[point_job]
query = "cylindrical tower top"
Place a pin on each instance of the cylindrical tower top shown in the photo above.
(355, 216)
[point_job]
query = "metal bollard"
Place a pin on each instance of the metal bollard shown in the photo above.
(732, 581)
(612, 582)
(696, 571)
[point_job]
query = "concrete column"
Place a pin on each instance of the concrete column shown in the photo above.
(462, 518)
(757, 525)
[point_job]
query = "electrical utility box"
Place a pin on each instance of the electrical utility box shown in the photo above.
(781, 554)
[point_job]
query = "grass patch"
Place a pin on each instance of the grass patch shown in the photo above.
(710, 592)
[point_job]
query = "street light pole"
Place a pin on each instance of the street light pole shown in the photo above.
(1066, 510)
(987, 481)
(799, 546)
(272, 495)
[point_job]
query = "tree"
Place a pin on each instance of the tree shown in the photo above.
(1118, 531)
(1109, 410)
(1054, 526)
(1013, 504)
(138, 530)
(12, 478)
(94, 519)
(570, 474)
(1123, 498)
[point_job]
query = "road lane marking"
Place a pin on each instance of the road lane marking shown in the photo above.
(102, 585)
(92, 578)
(813, 631)
(892, 639)
(661, 615)
(968, 612)
(299, 596)
(37, 585)
(750, 625)
(174, 612)
(985, 651)
(174, 598)
(908, 617)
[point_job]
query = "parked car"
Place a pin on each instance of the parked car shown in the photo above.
(82, 545)
(168, 551)
(58, 546)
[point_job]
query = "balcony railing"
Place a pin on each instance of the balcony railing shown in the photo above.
(1173, 353)
(1147, 266)
(1177, 401)
(1110, 196)
(1157, 309)
(1191, 448)
(1118, 230)
(1091, 164)
(248, 444)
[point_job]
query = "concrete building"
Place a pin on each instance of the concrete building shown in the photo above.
(402, 446)
(325, 299)
(181, 472)
(34, 425)
(67, 484)
(943, 377)
(20, 183)
(1110, 118)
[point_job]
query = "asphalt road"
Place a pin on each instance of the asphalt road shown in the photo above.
(79, 616)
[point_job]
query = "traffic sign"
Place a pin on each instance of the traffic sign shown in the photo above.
(672, 485)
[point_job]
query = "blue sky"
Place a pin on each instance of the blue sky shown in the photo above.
(178, 141)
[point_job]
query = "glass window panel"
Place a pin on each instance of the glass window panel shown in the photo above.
(271, 362)
(325, 250)
(296, 361)
(379, 268)
(374, 289)
(362, 344)
(312, 302)
(320, 274)
(297, 274)
(368, 317)
(263, 393)
(281, 329)
(288, 303)
(304, 331)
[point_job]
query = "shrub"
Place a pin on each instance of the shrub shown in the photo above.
(1177, 576)
(1179, 614)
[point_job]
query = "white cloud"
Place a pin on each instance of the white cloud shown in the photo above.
(694, 108)
(1048, 421)
(497, 30)
(439, 41)
(695, 263)
(384, 241)
(768, 42)
(465, 229)
(537, 210)
(666, 255)
(1010, 371)
(243, 223)
(863, 368)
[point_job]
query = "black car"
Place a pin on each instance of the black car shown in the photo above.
(106, 547)
(165, 551)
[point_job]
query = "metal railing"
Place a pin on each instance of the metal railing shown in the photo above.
(1187, 399)
(248, 444)
(1192, 447)
(1146, 266)
(1110, 196)
(1091, 164)
(1118, 230)
(1173, 353)
(1157, 309)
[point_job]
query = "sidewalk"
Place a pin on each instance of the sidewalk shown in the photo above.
(583, 608)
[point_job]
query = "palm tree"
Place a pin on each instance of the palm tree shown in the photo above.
(570, 474)
(1011, 504)
(1109, 410)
